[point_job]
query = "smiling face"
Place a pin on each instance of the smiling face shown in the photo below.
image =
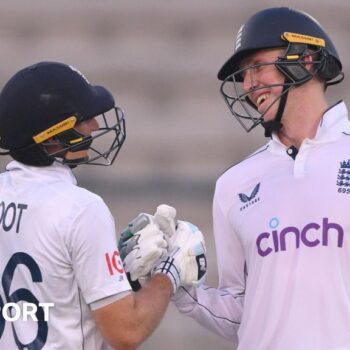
(263, 81)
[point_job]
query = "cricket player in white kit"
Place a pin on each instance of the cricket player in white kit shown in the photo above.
(57, 240)
(281, 220)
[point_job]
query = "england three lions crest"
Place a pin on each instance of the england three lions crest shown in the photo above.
(343, 178)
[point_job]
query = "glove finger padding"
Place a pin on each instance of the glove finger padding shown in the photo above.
(141, 245)
(186, 263)
(127, 239)
(150, 248)
(192, 261)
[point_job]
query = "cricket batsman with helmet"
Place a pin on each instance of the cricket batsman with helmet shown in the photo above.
(281, 221)
(57, 240)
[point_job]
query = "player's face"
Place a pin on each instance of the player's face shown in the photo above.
(259, 80)
(87, 127)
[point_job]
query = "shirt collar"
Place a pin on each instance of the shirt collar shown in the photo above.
(333, 123)
(56, 171)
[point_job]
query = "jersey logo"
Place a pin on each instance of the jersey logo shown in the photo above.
(313, 234)
(114, 263)
(249, 200)
(244, 198)
(343, 179)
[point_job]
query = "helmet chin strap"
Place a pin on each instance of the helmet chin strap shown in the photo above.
(276, 124)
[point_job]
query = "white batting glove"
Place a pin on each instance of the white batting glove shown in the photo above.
(186, 263)
(143, 243)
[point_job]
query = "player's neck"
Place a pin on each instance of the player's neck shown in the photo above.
(301, 119)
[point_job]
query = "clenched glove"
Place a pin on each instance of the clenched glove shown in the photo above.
(143, 244)
(143, 249)
(186, 263)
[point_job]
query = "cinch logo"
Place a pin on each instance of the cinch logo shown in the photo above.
(275, 241)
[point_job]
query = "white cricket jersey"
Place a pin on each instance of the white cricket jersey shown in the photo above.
(57, 245)
(282, 233)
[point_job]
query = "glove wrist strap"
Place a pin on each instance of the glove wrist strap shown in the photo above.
(168, 268)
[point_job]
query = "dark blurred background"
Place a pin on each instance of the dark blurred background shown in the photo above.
(160, 60)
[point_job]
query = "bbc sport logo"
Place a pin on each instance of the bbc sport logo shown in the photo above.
(13, 312)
